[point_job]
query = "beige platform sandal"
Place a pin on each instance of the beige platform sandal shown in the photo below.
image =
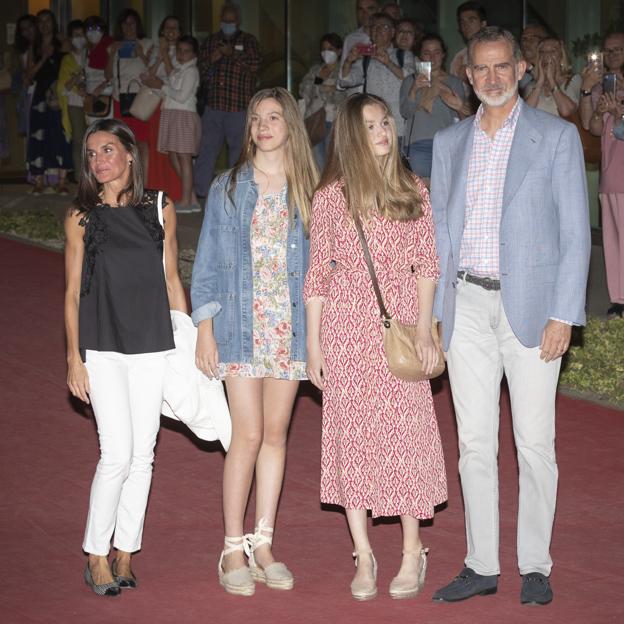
(364, 589)
(276, 575)
(409, 586)
(238, 582)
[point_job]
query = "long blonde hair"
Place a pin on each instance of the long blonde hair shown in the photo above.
(565, 66)
(299, 163)
(370, 183)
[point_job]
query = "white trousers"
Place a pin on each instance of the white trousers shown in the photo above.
(126, 395)
(483, 346)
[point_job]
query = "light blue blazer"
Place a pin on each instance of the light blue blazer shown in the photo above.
(545, 240)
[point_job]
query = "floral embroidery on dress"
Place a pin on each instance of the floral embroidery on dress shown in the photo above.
(272, 328)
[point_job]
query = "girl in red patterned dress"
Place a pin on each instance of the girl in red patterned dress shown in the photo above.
(381, 448)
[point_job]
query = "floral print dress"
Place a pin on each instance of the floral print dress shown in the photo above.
(272, 331)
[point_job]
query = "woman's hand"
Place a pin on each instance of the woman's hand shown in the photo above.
(426, 350)
(548, 65)
(450, 98)
(78, 379)
(152, 81)
(206, 351)
(138, 49)
(315, 367)
(422, 82)
(163, 47)
(607, 104)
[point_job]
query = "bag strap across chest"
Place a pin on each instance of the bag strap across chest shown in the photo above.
(371, 269)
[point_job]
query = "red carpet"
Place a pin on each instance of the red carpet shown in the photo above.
(48, 452)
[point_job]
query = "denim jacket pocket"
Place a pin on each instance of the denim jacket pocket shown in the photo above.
(223, 322)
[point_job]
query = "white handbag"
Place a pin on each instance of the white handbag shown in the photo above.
(145, 103)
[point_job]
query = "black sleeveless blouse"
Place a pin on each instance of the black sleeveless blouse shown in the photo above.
(123, 297)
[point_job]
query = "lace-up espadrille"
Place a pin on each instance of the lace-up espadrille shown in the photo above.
(410, 585)
(364, 589)
(276, 575)
(238, 582)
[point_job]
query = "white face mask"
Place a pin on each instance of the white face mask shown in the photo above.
(79, 42)
(95, 36)
(329, 57)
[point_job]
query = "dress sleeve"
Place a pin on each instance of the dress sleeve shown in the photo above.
(321, 244)
(427, 261)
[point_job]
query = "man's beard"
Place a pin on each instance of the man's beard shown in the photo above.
(499, 100)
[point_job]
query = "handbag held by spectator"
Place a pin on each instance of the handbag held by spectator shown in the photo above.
(145, 103)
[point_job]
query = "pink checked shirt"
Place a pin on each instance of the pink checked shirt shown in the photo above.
(484, 196)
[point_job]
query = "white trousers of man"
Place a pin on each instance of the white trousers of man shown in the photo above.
(483, 347)
(126, 395)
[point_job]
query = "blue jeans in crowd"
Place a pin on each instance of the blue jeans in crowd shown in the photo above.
(320, 149)
(217, 126)
(419, 154)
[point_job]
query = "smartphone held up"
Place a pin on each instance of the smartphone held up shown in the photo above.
(424, 67)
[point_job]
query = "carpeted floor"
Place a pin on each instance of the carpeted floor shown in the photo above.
(48, 451)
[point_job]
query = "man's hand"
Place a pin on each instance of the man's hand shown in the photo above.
(555, 340)
(382, 56)
(227, 49)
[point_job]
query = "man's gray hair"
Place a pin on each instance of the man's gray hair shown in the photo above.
(489, 34)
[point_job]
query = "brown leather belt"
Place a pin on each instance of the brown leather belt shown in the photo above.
(485, 282)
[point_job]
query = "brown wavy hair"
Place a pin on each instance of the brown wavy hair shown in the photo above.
(299, 163)
(370, 183)
(89, 189)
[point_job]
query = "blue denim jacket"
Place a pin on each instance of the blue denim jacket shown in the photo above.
(222, 283)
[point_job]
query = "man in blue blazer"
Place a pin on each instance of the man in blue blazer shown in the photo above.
(510, 209)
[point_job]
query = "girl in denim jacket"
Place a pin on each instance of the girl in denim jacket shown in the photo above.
(247, 295)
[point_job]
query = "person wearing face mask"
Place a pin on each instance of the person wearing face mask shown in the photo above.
(98, 89)
(71, 89)
(318, 89)
(228, 66)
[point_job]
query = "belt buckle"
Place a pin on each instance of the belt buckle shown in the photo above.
(487, 283)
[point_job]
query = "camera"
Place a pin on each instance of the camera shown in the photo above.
(366, 49)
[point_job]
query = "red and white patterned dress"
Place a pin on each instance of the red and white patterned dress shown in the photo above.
(381, 447)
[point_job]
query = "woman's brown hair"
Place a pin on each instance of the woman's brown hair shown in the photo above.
(370, 183)
(299, 163)
(89, 188)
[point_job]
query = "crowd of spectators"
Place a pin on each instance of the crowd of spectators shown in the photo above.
(64, 82)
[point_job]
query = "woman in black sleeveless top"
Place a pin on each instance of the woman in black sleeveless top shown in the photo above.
(118, 326)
